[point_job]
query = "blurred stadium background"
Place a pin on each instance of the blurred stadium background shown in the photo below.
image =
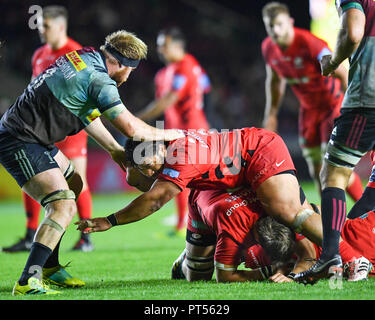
(225, 36)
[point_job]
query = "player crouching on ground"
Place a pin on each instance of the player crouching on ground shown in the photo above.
(226, 229)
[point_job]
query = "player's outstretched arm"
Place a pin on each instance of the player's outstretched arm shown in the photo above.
(137, 129)
(157, 107)
(103, 137)
(140, 208)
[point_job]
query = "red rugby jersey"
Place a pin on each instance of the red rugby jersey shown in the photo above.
(44, 56)
(299, 65)
(186, 78)
(202, 160)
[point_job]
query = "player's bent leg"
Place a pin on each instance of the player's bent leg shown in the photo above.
(288, 205)
(199, 262)
(71, 175)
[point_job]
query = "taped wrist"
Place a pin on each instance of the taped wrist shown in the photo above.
(112, 219)
(266, 272)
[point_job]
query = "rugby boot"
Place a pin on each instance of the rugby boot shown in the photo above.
(60, 277)
(321, 269)
(177, 273)
(34, 286)
(357, 269)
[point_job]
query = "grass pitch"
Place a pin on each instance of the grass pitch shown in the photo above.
(133, 262)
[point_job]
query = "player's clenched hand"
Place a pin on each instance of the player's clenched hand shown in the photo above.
(93, 225)
(327, 65)
(119, 157)
(279, 278)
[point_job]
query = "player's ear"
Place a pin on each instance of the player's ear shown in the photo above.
(292, 21)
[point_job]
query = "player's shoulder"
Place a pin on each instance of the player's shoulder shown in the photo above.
(187, 63)
(73, 45)
(267, 46)
(40, 51)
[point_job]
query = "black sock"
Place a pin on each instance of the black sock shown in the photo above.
(30, 233)
(39, 254)
(333, 218)
(53, 259)
(364, 204)
(85, 236)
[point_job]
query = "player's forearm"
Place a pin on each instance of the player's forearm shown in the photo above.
(138, 209)
(350, 35)
(341, 73)
(157, 107)
(275, 89)
(102, 136)
(239, 276)
(137, 129)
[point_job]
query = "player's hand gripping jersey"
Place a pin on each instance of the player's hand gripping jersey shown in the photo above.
(64, 99)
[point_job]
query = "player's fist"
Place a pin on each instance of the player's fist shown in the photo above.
(327, 65)
(93, 225)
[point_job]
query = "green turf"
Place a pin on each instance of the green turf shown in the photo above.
(133, 262)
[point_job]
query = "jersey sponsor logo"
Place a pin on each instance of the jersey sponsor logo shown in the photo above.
(76, 60)
(65, 68)
(171, 173)
(93, 115)
(235, 206)
(298, 62)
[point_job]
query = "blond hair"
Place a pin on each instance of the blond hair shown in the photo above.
(127, 44)
(272, 9)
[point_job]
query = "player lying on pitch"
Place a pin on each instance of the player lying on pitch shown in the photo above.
(211, 160)
(225, 229)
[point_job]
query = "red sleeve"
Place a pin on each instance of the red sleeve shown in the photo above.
(227, 250)
(265, 49)
(256, 257)
(317, 46)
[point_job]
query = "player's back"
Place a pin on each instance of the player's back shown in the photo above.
(234, 213)
(209, 159)
(361, 86)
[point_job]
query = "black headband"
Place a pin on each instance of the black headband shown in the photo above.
(120, 58)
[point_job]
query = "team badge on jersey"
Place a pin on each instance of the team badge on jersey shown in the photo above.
(171, 172)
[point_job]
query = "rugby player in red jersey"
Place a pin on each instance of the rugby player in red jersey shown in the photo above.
(53, 32)
(210, 160)
(179, 95)
(292, 57)
(228, 228)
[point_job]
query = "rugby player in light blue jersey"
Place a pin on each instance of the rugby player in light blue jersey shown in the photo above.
(67, 97)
